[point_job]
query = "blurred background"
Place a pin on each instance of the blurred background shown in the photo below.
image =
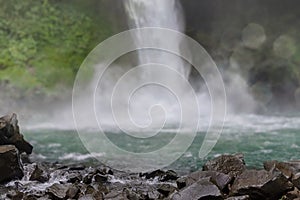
(44, 42)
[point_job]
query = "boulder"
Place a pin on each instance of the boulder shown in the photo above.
(287, 169)
(10, 166)
(166, 189)
(232, 165)
(58, 191)
(39, 174)
(202, 189)
(261, 184)
(219, 179)
(10, 134)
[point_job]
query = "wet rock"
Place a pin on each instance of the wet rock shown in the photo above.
(58, 191)
(151, 175)
(244, 197)
(219, 179)
(296, 180)
(295, 194)
(115, 195)
(169, 175)
(202, 189)
(72, 192)
(39, 175)
(161, 175)
(261, 184)
(77, 168)
(100, 178)
(232, 165)
(74, 177)
(104, 171)
(10, 166)
(96, 194)
(10, 134)
(88, 178)
(166, 189)
(181, 182)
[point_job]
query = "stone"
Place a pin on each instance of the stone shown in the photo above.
(169, 175)
(74, 177)
(202, 189)
(72, 192)
(232, 165)
(244, 197)
(296, 180)
(166, 189)
(219, 179)
(285, 168)
(88, 178)
(10, 134)
(100, 178)
(261, 184)
(10, 165)
(151, 175)
(58, 191)
(39, 175)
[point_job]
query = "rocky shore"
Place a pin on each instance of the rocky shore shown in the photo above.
(225, 177)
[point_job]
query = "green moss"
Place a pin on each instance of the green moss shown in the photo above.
(43, 43)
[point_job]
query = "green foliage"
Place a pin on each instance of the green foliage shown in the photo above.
(43, 43)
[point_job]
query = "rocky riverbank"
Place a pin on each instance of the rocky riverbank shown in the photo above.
(225, 177)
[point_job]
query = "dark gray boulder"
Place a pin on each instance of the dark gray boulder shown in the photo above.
(202, 189)
(58, 191)
(39, 174)
(219, 179)
(10, 166)
(10, 134)
(261, 184)
(232, 165)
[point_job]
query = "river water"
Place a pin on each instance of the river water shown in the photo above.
(259, 138)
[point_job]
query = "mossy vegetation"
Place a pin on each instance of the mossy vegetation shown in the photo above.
(44, 42)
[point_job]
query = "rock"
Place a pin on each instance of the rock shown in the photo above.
(169, 175)
(295, 194)
(10, 166)
(166, 189)
(151, 175)
(285, 168)
(219, 179)
(161, 175)
(181, 182)
(88, 178)
(202, 189)
(244, 197)
(10, 134)
(261, 184)
(90, 190)
(100, 178)
(104, 171)
(58, 191)
(74, 177)
(296, 180)
(232, 165)
(72, 192)
(39, 175)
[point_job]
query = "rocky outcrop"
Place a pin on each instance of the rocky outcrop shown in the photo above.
(12, 144)
(10, 134)
(10, 166)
